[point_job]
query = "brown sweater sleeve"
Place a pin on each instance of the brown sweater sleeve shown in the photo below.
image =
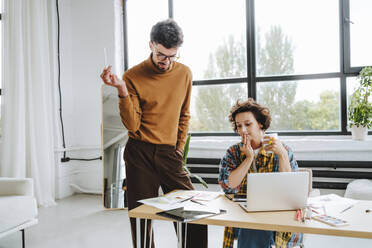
(130, 111)
(183, 125)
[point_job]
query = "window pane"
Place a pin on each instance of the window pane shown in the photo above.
(306, 105)
(360, 35)
(296, 37)
(352, 83)
(215, 42)
(211, 104)
(142, 15)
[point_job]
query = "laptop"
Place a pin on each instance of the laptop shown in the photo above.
(276, 191)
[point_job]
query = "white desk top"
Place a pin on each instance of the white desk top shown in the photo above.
(360, 222)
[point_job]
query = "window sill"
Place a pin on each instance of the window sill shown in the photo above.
(304, 147)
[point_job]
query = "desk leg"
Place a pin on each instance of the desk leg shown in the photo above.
(179, 234)
(185, 235)
(151, 233)
(145, 234)
(138, 232)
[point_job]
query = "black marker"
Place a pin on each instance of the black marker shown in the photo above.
(229, 196)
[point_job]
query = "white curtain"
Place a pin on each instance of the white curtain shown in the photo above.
(30, 100)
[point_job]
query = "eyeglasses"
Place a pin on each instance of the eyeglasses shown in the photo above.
(163, 57)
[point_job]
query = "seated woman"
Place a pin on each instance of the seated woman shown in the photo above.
(250, 120)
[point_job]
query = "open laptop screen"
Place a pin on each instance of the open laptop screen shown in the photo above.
(277, 191)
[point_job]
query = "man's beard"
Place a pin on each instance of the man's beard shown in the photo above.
(163, 67)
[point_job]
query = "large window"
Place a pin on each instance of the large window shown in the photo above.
(215, 47)
(213, 102)
(290, 40)
(299, 58)
(141, 16)
(360, 39)
(302, 105)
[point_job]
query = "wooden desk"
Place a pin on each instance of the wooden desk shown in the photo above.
(360, 222)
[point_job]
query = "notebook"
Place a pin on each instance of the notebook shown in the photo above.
(186, 214)
(276, 191)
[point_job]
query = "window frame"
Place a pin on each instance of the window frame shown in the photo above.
(345, 24)
(345, 70)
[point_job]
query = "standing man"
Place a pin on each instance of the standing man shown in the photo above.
(154, 102)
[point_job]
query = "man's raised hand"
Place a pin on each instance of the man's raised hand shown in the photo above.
(112, 80)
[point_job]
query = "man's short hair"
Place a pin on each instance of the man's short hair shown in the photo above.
(167, 33)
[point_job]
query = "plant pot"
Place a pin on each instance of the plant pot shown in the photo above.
(359, 133)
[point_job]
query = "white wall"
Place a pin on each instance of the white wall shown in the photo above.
(86, 27)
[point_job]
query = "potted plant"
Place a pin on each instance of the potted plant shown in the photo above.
(185, 152)
(360, 108)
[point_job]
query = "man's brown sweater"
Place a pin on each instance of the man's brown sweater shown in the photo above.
(158, 107)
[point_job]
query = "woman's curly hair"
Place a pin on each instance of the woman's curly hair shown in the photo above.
(261, 113)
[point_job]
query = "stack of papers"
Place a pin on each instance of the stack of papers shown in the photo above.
(181, 198)
(330, 204)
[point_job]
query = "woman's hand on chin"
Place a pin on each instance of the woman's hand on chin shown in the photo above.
(246, 147)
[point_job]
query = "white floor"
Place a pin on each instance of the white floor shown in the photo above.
(80, 221)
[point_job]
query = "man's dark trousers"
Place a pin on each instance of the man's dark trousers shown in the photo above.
(148, 167)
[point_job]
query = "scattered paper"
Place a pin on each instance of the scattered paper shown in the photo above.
(181, 198)
(330, 204)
